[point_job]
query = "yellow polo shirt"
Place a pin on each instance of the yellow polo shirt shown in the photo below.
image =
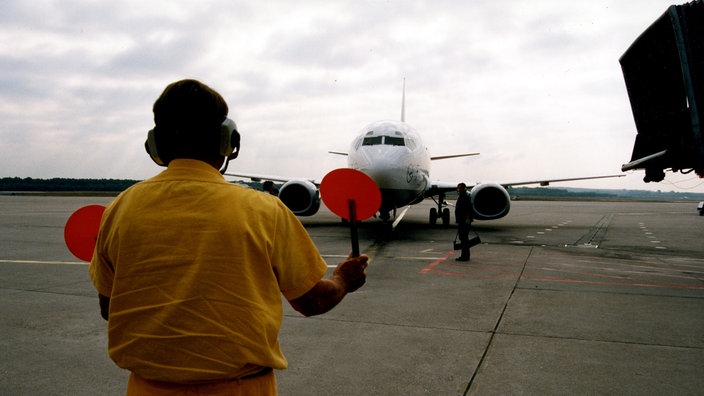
(195, 268)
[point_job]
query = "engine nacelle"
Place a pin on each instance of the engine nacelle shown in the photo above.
(490, 201)
(301, 196)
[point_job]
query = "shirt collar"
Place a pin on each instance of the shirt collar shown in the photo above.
(183, 168)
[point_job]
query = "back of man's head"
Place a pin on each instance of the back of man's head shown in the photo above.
(188, 115)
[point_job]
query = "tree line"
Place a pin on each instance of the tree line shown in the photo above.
(28, 184)
(64, 184)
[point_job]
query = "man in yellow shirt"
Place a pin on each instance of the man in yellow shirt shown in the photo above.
(190, 269)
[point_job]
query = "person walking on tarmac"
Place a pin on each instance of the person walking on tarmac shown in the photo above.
(463, 218)
(190, 269)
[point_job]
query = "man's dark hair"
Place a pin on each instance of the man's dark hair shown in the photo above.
(188, 115)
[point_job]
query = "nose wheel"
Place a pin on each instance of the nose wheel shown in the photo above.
(440, 212)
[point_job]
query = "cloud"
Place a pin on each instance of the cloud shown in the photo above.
(534, 85)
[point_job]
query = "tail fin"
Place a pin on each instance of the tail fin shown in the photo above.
(403, 102)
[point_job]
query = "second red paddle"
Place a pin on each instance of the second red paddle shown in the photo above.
(81, 231)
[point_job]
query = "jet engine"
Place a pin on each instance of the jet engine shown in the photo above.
(301, 196)
(490, 201)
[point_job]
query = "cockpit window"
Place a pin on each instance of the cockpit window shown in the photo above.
(410, 143)
(386, 140)
(371, 141)
(393, 141)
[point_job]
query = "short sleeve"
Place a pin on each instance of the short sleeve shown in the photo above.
(296, 260)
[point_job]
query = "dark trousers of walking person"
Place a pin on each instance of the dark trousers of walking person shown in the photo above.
(463, 232)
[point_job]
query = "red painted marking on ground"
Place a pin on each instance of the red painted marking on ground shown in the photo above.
(435, 263)
(468, 275)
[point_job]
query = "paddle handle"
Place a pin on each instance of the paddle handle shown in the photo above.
(353, 227)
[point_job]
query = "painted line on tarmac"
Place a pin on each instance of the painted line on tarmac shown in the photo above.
(542, 268)
(54, 262)
(44, 262)
(87, 263)
(342, 256)
(634, 283)
(430, 267)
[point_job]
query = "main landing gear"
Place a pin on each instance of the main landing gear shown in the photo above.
(443, 212)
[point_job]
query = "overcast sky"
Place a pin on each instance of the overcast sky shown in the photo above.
(534, 85)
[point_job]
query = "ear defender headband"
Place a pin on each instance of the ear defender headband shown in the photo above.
(229, 142)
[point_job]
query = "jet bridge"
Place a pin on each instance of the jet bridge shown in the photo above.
(664, 74)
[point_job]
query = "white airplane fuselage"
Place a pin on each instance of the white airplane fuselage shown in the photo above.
(392, 154)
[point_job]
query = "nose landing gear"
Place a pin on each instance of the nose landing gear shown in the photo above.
(440, 212)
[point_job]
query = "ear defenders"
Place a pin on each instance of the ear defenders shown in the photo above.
(229, 142)
(229, 139)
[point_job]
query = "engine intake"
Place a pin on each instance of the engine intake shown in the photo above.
(490, 201)
(301, 197)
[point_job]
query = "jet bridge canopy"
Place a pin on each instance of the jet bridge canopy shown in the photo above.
(664, 74)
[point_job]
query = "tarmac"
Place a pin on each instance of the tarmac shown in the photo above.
(559, 298)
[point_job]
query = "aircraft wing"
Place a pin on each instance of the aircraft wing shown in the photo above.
(259, 177)
(437, 187)
(546, 182)
(300, 195)
(490, 201)
(452, 156)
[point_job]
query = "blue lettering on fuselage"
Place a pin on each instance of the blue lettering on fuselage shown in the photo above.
(410, 175)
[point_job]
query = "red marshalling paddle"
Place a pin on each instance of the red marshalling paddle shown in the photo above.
(351, 195)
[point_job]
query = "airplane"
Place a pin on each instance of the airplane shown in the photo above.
(392, 154)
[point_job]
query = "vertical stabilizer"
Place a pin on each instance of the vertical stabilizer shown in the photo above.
(403, 102)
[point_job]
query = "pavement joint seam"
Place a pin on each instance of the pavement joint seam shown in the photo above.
(496, 326)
